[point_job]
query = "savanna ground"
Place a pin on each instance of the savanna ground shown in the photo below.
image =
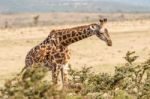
(128, 32)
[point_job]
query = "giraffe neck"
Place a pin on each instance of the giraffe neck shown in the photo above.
(73, 35)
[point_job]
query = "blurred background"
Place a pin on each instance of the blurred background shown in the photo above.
(21, 6)
(46, 12)
(26, 23)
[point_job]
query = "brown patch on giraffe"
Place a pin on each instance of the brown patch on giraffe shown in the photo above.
(80, 33)
(68, 35)
(77, 34)
(84, 31)
(88, 33)
(76, 38)
(52, 31)
(37, 47)
(60, 38)
(60, 33)
(64, 36)
(83, 36)
(57, 55)
(64, 44)
(73, 33)
(66, 41)
(59, 61)
(80, 37)
(73, 40)
(69, 39)
(48, 48)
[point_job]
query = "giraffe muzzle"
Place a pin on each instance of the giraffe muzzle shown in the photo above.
(109, 43)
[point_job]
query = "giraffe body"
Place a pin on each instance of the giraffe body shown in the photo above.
(53, 51)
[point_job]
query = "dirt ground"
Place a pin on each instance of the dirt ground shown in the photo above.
(126, 36)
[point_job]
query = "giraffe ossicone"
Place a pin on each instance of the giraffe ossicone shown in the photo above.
(53, 51)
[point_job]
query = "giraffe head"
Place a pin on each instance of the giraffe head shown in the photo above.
(101, 31)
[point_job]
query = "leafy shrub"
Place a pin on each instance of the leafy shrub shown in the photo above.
(130, 81)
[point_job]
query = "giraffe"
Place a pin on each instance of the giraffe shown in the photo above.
(53, 52)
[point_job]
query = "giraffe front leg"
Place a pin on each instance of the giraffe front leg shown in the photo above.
(64, 73)
(56, 78)
(65, 69)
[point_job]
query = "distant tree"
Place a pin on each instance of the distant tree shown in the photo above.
(87, 18)
(36, 20)
(122, 16)
(6, 24)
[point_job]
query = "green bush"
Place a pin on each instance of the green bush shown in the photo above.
(130, 81)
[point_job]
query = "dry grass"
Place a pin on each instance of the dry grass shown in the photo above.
(126, 35)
